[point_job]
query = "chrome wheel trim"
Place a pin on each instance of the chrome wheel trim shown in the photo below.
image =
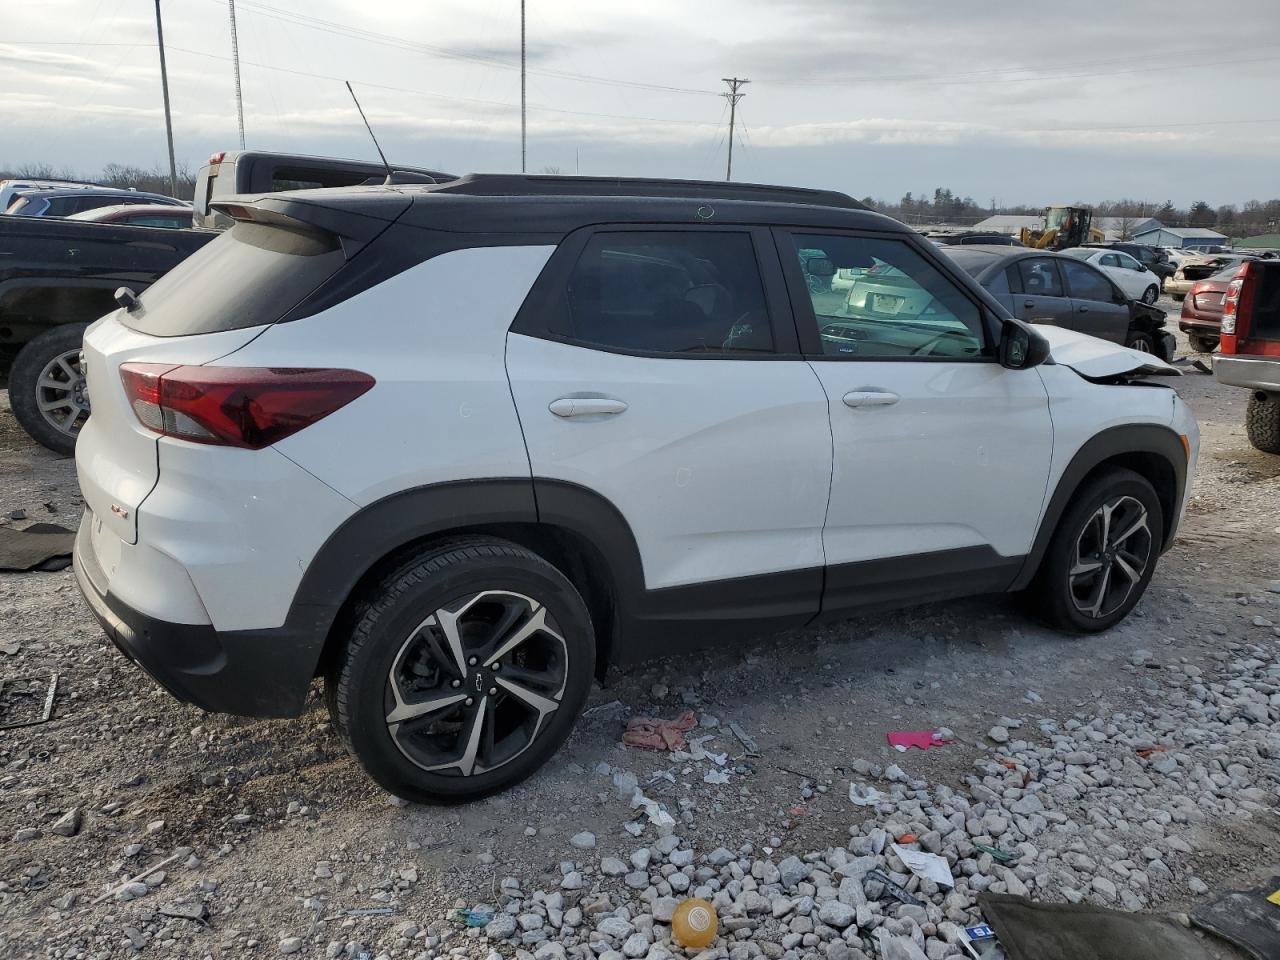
(472, 686)
(1150, 295)
(1111, 555)
(61, 396)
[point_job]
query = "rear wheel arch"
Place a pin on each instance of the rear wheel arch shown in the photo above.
(1153, 452)
(578, 532)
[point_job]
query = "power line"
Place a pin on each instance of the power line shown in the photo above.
(372, 36)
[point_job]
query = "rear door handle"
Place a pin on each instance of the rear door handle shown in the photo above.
(1029, 304)
(1082, 309)
(585, 406)
(870, 398)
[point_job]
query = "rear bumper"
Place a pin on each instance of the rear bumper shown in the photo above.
(1252, 373)
(258, 673)
(1195, 324)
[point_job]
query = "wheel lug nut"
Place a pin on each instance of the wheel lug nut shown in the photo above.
(473, 661)
(493, 691)
(470, 701)
(495, 666)
(457, 683)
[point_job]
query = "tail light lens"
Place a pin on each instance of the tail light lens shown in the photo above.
(249, 407)
(1230, 302)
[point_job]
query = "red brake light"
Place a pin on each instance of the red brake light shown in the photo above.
(1236, 305)
(250, 407)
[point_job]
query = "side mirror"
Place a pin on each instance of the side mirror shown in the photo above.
(819, 267)
(1021, 347)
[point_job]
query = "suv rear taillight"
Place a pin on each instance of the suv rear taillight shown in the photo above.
(250, 407)
(1236, 304)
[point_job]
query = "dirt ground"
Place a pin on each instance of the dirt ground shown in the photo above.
(286, 835)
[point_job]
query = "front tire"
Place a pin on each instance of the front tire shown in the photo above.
(1201, 343)
(46, 388)
(1150, 295)
(1102, 554)
(1262, 422)
(1141, 341)
(464, 672)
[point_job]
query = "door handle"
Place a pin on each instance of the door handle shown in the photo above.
(1029, 304)
(870, 398)
(1082, 309)
(585, 406)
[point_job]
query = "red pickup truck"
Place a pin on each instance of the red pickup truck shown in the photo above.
(1250, 348)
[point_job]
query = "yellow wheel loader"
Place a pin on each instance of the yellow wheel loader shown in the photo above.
(1063, 227)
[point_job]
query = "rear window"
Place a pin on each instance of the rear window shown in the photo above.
(1265, 322)
(312, 178)
(250, 276)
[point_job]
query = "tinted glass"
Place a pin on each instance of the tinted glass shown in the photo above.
(1040, 277)
(250, 276)
(155, 220)
(307, 178)
(668, 292)
(1086, 283)
(896, 303)
(1109, 260)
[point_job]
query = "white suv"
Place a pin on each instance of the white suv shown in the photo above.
(457, 448)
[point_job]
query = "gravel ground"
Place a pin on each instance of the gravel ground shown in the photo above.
(1136, 769)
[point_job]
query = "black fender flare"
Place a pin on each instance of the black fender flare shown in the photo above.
(1124, 445)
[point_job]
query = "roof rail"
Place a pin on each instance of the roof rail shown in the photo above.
(520, 185)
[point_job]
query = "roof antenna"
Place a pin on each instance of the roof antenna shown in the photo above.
(390, 177)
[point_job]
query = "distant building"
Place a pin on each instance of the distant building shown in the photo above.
(1263, 241)
(1113, 228)
(1181, 237)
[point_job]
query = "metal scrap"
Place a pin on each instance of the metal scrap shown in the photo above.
(45, 716)
(748, 744)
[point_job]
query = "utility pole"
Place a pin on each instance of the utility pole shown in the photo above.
(733, 96)
(168, 118)
(522, 90)
(235, 61)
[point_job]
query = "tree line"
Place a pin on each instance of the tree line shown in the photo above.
(119, 175)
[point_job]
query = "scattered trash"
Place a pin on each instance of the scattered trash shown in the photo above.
(41, 546)
(715, 777)
(190, 910)
(926, 866)
(14, 688)
(907, 838)
(145, 873)
(798, 773)
(894, 890)
(610, 707)
(698, 752)
(1028, 930)
(902, 740)
(1000, 856)
(367, 912)
(694, 923)
(472, 918)
(650, 733)
(980, 943)
(1150, 750)
(1247, 918)
(865, 796)
(747, 742)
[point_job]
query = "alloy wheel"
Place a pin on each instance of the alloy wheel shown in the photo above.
(475, 683)
(1111, 556)
(61, 396)
(1150, 295)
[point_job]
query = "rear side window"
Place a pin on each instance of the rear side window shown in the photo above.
(667, 292)
(250, 276)
(307, 178)
(1086, 283)
(1040, 278)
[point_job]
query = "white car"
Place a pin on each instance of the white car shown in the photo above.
(457, 448)
(1132, 277)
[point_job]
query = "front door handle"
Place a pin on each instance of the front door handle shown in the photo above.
(1082, 309)
(1029, 304)
(585, 406)
(870, 398)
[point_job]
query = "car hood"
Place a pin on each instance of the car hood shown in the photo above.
(1099, 359)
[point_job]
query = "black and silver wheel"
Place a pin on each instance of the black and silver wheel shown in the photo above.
(47, 388)
(1102, 555)
(1151, 294)
(465, 673)
(1141, 341)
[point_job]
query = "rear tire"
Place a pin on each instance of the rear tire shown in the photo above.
(1087, 583)
(1201, 343)
(46, 388)
(415, 693)
(1262, 422)
(1179, 297)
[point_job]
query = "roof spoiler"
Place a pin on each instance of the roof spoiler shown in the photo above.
(354, 219)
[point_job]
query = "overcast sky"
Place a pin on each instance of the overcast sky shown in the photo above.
(1001, 99)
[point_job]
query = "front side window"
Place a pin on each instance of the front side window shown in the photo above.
(891, 301)
(1085, 282)
(675, 292)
